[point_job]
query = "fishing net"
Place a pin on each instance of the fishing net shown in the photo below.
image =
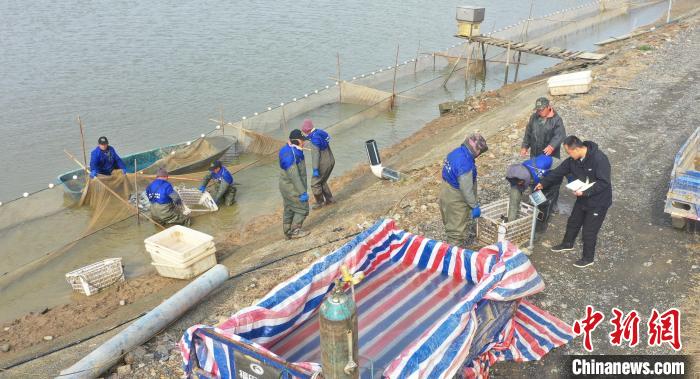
(108, 197)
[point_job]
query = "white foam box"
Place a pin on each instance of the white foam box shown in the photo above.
(470, 13)
(179, 243)
(568, 84)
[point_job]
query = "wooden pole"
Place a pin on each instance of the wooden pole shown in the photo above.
(136, 193)
(284, 121)
(82, 140)
(517, 67)
(507, 64)
(393, 87)
(415, 64)
(483, 56)
(433, 61)
(340, 87)
(126, 202)
(221, 118)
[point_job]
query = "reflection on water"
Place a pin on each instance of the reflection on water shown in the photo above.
(257, 194)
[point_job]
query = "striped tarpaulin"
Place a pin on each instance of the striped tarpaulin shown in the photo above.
(417, 310)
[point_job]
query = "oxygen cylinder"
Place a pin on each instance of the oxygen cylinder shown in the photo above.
(338, 326)
(373, 152)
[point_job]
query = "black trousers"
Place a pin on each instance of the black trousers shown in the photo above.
(591, 219)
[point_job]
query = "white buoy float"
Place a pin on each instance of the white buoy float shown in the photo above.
(26, 194)
(51, 185)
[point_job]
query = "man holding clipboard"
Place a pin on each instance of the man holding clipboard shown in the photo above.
(589, 170)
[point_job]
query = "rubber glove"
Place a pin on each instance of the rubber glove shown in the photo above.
(202, 189)
(93, 174)
(476, 211)
(316, 173)
(304, 197)
(124, 171)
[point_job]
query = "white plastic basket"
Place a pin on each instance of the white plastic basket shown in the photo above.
(492, 217)
(201, 264)
(179, 243)
(195, 201)
(90, 279)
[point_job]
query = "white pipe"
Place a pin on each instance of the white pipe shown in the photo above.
(105, 356)
(377, 170)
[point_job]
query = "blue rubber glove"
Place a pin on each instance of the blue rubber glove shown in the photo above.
(304, 197)
(476, 211)
(316, 173)
(202, 189)
(124, 171)
(93, 174)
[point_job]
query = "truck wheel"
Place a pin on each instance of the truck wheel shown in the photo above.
(678, 222)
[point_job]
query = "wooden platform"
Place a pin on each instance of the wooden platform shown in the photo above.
(533, 48)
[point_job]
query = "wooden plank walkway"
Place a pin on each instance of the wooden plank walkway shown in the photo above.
(533, 48)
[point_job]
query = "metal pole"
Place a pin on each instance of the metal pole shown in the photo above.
(532, 228)
(136, 193)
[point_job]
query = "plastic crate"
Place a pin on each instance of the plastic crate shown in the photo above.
(90, 279)
(194, 200)
(494, 215)
(179, 243)
(195, 268)
(161, 258)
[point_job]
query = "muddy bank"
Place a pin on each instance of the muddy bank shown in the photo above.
(501, 116)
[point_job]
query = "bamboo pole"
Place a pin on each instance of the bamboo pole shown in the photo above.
(483, 57)
(284, 121)
(221, 117)
(517, 67)
(507, 64)
(340, 87)
(415, 64)
(136, 193)
(466, 70)
(82, 140)
(668, 14)
(393, 87)
(127, 203)
(444, 84)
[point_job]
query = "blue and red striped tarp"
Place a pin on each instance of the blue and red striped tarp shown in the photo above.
(418, 311)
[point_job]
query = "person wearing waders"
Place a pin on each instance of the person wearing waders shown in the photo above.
(293, 185)
(543, 135)
(224, 190)
(322, 163)
(588, 164)
(166, 205)
(458, 196)
(104, 159)
(522, 176)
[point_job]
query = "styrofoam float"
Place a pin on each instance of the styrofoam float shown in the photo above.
(567, 84)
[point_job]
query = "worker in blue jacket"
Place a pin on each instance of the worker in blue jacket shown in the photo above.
(293, 185)
(458, 196)
(322, 163)
(166, 205)
(224, 191)
(528, 174)
(104, 159)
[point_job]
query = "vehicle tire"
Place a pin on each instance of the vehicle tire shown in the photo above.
(678, 222)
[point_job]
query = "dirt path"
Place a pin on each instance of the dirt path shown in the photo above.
(642, 262)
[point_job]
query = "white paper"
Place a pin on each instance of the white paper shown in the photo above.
(578, 185)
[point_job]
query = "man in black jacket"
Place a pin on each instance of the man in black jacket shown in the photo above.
(587, 164)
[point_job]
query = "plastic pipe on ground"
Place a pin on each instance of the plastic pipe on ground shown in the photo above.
(147, 326)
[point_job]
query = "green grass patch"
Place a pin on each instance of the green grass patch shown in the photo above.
(645, 48)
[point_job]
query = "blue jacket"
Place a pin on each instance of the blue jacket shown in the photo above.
(222, 175)
(103, 162)
(290, 156)
(459, 162)
(159, 191)
(539, 167)
(319, 138)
